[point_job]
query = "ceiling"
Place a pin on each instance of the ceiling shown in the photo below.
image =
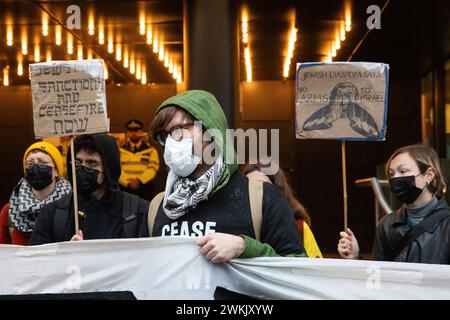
(414, 36)
(120, 22)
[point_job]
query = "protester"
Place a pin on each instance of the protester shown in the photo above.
(209, 198)
(105, 212)
(140, 162)
(302, 217)
(42, 184)
(419, 231)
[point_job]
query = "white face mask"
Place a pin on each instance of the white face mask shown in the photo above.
(179, 157)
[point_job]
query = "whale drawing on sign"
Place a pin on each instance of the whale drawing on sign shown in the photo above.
(342, 105)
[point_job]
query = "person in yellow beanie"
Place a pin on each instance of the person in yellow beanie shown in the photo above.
(43, 183)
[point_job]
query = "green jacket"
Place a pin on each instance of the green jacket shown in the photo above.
(255, 248)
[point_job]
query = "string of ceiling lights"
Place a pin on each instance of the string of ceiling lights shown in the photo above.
(291, 46)
(339, 35)
(246, 44)
(121, 52)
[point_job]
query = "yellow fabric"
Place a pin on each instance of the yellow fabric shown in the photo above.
(141, 165)
(311, 247)
(51, 150)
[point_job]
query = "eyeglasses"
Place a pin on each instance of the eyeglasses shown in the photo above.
(89, 165)
(41, 163)
(176, 132)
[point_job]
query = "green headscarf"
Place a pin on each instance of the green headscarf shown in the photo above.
(203, 106)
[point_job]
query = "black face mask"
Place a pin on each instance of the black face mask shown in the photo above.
(404, 188)
(39, 176)
(87, 180)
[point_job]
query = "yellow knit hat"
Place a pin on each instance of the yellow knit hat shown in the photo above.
(51, 150)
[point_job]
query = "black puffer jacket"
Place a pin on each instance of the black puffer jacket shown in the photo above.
(432, 246)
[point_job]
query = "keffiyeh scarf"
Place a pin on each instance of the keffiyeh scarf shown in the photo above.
(183, 193)
(24, 207)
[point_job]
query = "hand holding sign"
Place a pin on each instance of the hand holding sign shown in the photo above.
(342, 101)
(69, 99)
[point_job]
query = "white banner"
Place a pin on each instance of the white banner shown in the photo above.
(173, 268)
(341, 100)
(68, 98)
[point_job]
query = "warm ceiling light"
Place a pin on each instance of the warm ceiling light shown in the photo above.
(58, 33)
(20, 64)
(290, 51)
(161, 52)
(48, 54)
(155, 44)
(144, 75)
(105, 71)
(142, 22)
(338, 42)
(342, 31)
(118, 51)
(91, 23)
(125, 57)
(132, 64)
(171, 66)
(248, 65)
(333, 51)
(245, 40)
(179, 79)
(89, 54)
(24, 41)
(44, 24)
(37, 53)
(101, 32)
(80, 52)
(69, 43)
(6, 76)
(348, 25)
(348, 17)
(149, 35)
(9, 35)
(110, 42)
(138, 71)
(175, 72)
(244, 27)
(166, 60)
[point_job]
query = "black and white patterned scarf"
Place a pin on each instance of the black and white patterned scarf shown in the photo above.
(183, 193)
(24, 207)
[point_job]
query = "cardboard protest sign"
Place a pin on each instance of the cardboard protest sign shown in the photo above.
(341, 100)
(69, 98)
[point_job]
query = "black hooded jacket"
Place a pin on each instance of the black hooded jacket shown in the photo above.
(117, 215)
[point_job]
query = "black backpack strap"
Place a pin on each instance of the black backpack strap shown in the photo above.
(130, 206)
(62, 213)
(419, 229)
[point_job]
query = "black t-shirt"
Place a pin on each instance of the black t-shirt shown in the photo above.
(228, 211)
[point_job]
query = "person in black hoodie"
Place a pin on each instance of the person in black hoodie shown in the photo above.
(105, 212)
